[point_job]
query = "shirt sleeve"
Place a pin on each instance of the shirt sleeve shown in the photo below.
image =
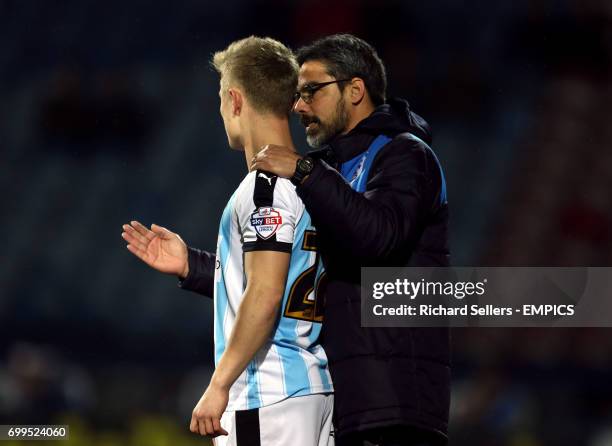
(267, 212)
(200, 278)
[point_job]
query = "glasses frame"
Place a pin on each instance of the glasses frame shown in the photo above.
(311, 89)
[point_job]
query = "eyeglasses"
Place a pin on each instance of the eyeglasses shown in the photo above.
(307, 92)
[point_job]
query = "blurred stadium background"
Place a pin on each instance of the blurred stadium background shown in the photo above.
(109, 112)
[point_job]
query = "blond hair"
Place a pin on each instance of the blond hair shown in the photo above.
(266, 70)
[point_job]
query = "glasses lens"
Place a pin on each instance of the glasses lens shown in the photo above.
(307, 94)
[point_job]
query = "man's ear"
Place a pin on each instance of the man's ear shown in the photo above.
(357, 90)
(237, 101)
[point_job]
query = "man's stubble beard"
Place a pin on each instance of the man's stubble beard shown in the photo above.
(326, 132)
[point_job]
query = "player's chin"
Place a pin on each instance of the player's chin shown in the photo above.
(235, 145)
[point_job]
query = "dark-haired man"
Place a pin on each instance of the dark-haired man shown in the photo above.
(377, 196)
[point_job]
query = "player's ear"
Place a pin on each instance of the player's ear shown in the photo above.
(237, 101)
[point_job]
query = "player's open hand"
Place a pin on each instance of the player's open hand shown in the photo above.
(158, 247)
(279, 160)
(206, 416)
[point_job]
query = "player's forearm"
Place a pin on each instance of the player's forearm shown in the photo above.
(254, 323)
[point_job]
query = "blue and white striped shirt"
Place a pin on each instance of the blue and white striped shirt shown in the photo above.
(265, 213)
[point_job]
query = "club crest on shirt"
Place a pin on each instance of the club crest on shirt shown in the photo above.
(265, 221)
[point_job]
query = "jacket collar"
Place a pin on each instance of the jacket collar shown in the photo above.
(388, 119)
(345, 147)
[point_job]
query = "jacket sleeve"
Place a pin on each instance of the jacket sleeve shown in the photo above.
(201, 277)
(387, 215)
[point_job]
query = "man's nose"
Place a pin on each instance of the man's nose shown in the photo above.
(300, 106)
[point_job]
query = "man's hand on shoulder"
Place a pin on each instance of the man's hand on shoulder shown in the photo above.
(158, 247)
(279, 160)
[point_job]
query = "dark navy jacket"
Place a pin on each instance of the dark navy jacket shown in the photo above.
(382, 376)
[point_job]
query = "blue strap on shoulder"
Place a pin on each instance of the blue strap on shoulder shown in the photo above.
(443, 197)
(356, 170)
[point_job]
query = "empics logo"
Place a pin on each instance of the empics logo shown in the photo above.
(266, 221)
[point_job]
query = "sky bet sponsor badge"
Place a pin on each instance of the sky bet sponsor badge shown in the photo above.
(266, 221)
